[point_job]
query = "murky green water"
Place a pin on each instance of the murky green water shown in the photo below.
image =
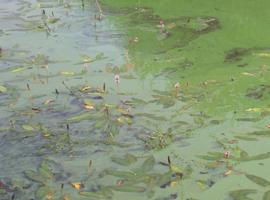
(188, 119)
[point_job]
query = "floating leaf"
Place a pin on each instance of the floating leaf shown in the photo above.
(128, 188)
(53, 20)
(81, 117)
(212, 156)
(243, 155)
(242, 194)
(2, 191)
(27, 127)
(266, 195)
(48, 101)
(248, 119)
(175, 168)
(134, 101)
(34, 176)
(245, 138)
(151, 116)
(121, 174)
(3, 89)
(42, 192)
(131, 158)
(19, 69)
(148, 164)
(77, 185)
(127, 160)
(124, 120)
(227, 173)
(88, 104)
(173, 183)
(92, 195)
(260, 133)
(257, 157)
(165, 179)
(258, 180)
(45, 171)
(258, 109)
(68, 73)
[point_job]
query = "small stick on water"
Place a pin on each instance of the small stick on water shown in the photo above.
(106, 110)
(28, 87)
(48, 28)
(169, 160)
(12, 124)
(100, 10)
(83, 4)
(90, 171)
(117, 81)
(177, 86)
(47, 73)
(104, 87)
(71, 92)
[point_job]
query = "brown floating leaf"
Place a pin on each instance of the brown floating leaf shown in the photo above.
(77, 185)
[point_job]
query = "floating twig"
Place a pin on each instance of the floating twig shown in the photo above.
(28, 87)
(169, 160)
(71, 92)
(117, 81)
(104, 87)
(90, 171)
(100, 10)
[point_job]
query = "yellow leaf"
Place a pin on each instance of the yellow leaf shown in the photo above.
(88, 104)
(48, 101)
(201, 185)
(84, 88)
(77, 185)
(66, 198)
(52, 20)
(173, 184)
(68, 73)
(171, 25)
(258, 109)
(266, 55)
(227, 173)
(3, 89)
(49, 196)
(19, 69)
(86, 59)
(27, 127)
(248, 74)
(175, 168)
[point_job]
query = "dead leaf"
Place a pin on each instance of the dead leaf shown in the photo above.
(77, 185)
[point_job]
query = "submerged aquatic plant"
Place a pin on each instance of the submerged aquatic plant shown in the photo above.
(157, 140)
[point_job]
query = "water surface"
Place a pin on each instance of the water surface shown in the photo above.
(188, 119)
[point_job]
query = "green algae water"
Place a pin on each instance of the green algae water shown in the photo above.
(134, 99)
